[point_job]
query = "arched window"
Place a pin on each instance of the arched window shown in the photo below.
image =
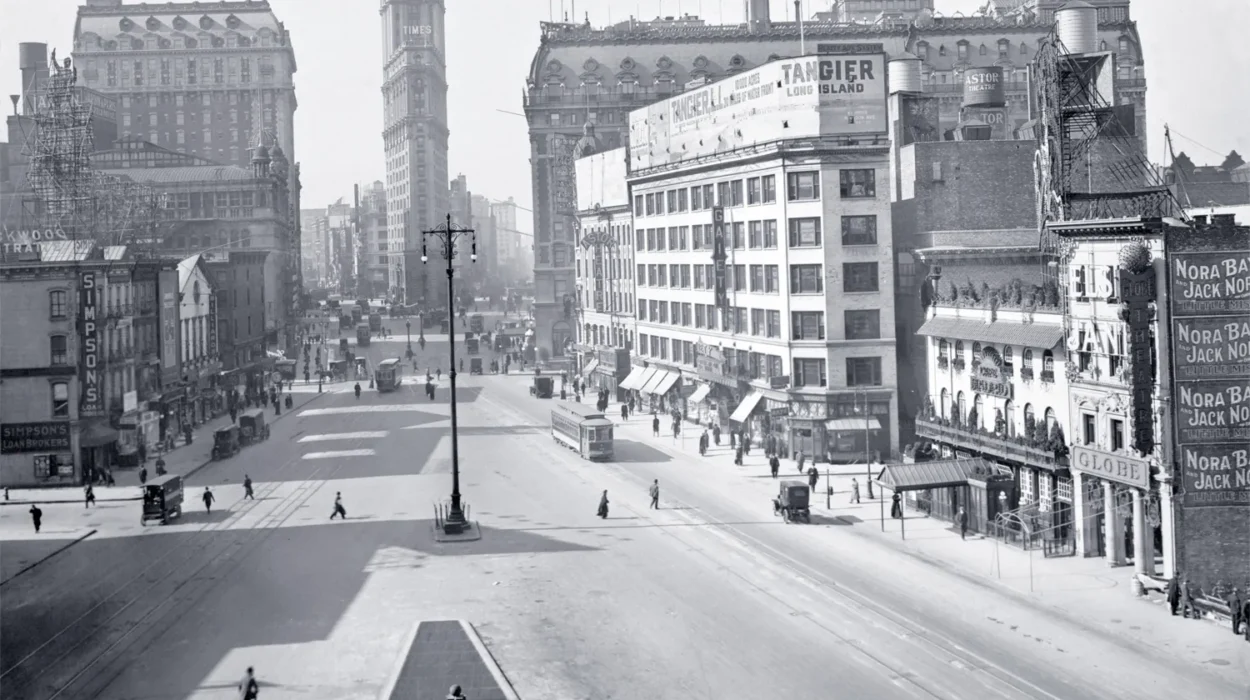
(983, 50)
(1048, 361)
(1029, 419)
(1009, 416)
(1027, 362)
(1102, 45)
(961, 403)
(959, 349)
(943, 348)
(1024, 49)
(1008, 360)
(944, 406)
(976, 354)
(978, 406)
(1050, 419)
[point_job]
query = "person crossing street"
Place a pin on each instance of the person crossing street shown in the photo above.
(247, 487)
(655, 494)
(208, 498)
(339, 510)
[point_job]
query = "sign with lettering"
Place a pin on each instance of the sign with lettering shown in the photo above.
(992, 387)
(1119, 468)
(1212, 347)
(28, 240)
(49, 436)
(1137, 292)
(1215, 475)
(719, 257)
(91, 371)
(1213, 411)
(1210, 283)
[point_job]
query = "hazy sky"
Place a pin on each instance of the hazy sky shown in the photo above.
(1196, 73)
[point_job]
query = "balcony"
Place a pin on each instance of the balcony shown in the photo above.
(989, 444)
(944, 362)
(119, 311)
(1048, 376)
(959, 363)
(1026, 373)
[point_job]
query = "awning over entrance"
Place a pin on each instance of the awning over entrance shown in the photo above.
(97, 433)
(656, 380)
(932, 475)
(744, 409)
(853, 423)
(667, 383)
(1033, 335)
(647, 375)
(590, 367)
(700, 393)
(631, 382)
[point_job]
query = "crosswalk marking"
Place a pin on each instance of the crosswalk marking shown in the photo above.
(340, 453)
(360, 435)
(367, 408)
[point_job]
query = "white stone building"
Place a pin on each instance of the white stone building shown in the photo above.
(198, 355)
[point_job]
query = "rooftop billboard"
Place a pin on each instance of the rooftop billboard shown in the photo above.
(825, 95)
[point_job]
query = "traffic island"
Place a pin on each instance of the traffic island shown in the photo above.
(440, 654)
(452, 529)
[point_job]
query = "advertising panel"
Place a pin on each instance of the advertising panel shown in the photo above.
(1209, 275)
(90, 372)
(1119, 468)
(167, 287)
(983, 87)
(48, 436)
(719, 256)
(838, 95)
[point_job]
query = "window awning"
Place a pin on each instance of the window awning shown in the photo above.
(853, 423)
(667, 383)
(933, 475)
(700, 393)
(652, 387)
(634, 375)
(1029, 335)
(590, 367)
(97, 433)
(648, 373)
(744, 409)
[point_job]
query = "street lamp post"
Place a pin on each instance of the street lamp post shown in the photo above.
(447, 237)
(867, 447)
(408, 329)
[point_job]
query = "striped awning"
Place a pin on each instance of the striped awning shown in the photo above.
(590, 367)
(853, 423)
(630, 381)
(744, 409)
(645, 378)
(700, 393)
(666, 384)
(656, 380)
(932, 475)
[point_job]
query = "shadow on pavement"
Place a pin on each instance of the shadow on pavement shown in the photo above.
(16, 555)
(196, 516)
(632, 452)
(95, 580)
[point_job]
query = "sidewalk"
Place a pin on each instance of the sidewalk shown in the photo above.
(184, 459)
(1082, 590)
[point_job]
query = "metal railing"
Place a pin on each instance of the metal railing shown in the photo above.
(994, 444)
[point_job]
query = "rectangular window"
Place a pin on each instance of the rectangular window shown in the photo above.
(809, 372)
(770, 234)
(859, 277)
(698, 277)
(672, 238)
(59, 347)
(650, 209)
(772, 283)
(863, 324)
(1089, 425)
(774, 324)
(807, 325)
(757, 278)
(674, 276)
(660, 238)
(138, 72)
(682, 196)
(708, 195)
(696, 198)
(700, 316)
(659, 203)
(641, 275)
(806, 279)
(802, 186)
(859, 230)
(683, 235)
(755, 234)
(60, 400)
(858, 183)
(722, 194)
(57, 301)
(739, 278)
(757, 321)
(735, 193)
(739, 235)
(246, 70)
(671, 195)
(805, 233)
(863, 371)
(685, 277)
(754, 193)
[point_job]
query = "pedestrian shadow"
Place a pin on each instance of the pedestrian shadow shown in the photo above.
(199, 517)
(831, 520)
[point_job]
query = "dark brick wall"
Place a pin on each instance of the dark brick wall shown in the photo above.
(1213, 545)
(981, 185)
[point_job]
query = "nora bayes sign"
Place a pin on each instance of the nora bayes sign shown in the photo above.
(91, 390)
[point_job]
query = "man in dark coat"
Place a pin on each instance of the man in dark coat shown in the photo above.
(774, 464)
(813, 476)
(1173, 593)
(896, 506)
(1234, 608)
(36, 517)
(1187, 600)
(962, 517)
(655, 425)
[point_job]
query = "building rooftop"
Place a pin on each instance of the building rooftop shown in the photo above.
(192, 173)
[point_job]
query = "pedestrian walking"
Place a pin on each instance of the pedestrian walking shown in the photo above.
(143, 475)
(1234, 608)
(896, 506)
(208, 499)
(1187, 600)
(738, 456)
(249, 689)
(962, 517)
(801, 459)
(813, 476)
(247, 487)
(339, 510)
(624, 409)
(1173, 593)
(854, 490)
(655, 425)
(716, 434)
(88, 496)
(36, 517)
(108, 478)
(774, 464)
(655, 494)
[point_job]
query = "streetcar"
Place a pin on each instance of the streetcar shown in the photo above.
(583, 429)
(388, 375)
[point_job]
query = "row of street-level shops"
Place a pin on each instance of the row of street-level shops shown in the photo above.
(839, 426)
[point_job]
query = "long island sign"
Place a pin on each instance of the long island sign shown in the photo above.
(1209, 291)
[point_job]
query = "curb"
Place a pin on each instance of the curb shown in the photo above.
(48, 556)
(186, 475)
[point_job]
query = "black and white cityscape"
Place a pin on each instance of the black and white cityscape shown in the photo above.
(817, 349)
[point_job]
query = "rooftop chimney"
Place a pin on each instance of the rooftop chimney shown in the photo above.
(33, 61)
(757, 15)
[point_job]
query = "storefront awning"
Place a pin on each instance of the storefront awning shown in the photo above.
(932, 475)
(700, 393)
(1032, 335)
(853, 423)
(744, 409)
(631, 381)
(652, 387)
(590, 367)
(96, 434)
(645, 378)
(667, 384)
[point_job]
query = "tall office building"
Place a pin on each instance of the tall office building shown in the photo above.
(414, 94)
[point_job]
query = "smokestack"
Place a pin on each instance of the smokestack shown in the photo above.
(757, 15)
(33, 61)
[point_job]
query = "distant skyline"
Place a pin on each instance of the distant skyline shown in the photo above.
(1195, 70)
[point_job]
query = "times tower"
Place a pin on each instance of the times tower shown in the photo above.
(414, 132)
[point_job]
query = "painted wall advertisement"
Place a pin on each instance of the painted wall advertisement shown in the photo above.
(1209, 271)
(171, 341)
(90, 379)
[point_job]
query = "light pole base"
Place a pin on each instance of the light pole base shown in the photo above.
(459, 532)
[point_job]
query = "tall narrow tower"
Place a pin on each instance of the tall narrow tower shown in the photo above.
(414, 96)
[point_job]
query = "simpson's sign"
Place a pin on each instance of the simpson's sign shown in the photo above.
(838, 95)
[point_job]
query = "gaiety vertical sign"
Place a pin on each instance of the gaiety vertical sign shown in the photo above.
(90, 381)
(1209, 273)
(719, 257)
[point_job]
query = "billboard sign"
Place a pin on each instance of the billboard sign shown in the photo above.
(825, 95)
(47, 436)
(91, 371)
(1209, 276)
(983, 87)
(719, 257)
(167, 312)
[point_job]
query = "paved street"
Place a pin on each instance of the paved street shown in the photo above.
(711, 596)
